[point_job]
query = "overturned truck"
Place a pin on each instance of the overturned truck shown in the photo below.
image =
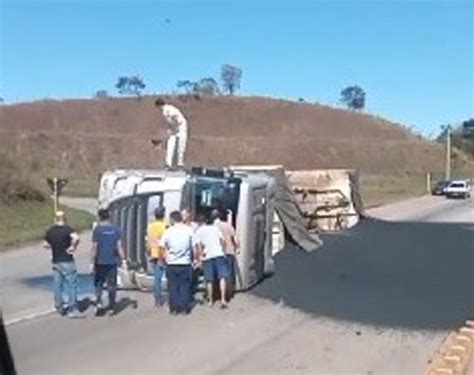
(263, 203)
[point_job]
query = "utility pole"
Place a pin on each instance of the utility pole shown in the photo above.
(56, 185)
(448, 153)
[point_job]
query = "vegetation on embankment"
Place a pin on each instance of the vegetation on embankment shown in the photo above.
(25, 221)
(25, 211)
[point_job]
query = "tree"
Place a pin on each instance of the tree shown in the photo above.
(231, 76)
(353, 97)
(101, 94)
(130, 85)
(208, 86)
(460, 139)
(186, 85)
(468, 128)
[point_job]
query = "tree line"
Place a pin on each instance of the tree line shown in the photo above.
(353, 97)
(231, 77)
(462, 136)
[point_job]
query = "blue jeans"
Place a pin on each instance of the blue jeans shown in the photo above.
(106, 273)
(179, 287)
(159, 270)
(65, 282)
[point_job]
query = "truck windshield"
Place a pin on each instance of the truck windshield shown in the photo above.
(208, 194)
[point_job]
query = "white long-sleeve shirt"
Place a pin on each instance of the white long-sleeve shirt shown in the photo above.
(174, 118)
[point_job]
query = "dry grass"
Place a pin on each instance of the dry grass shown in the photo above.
(79, 139)
(379, 190)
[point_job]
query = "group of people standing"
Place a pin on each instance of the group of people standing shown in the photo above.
(107, 254)
(183, 249)
(187, 248)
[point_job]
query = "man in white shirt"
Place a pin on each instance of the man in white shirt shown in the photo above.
(221, 219)
(177, 133)
(209, 242)
(177, 242)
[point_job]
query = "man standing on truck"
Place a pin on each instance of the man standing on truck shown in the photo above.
(107, 252)
(63, 242)
(155, 231)
(177, 133)
(210, 244)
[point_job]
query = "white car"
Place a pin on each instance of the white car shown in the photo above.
(458, 189)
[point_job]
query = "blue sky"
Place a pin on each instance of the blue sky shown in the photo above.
(415, 60)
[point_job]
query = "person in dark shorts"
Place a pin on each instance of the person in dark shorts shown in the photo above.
(63, 242)
(107, 253)
(231, 246)
(209, 242)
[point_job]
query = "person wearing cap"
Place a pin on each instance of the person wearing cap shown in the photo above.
(63, 240)
(177, 133)
(155, 231)
(106, 254)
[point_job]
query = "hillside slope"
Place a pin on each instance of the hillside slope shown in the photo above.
(81, 138)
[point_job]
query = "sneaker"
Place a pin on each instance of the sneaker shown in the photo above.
(224, 305)
(61, 311)
(73, 315)
(112, 310)
(98, 308)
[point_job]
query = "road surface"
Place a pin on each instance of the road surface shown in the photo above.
(379, 298)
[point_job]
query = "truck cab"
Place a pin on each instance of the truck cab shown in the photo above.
(133, 195)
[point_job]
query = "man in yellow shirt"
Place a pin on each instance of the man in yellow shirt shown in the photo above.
(156, 253)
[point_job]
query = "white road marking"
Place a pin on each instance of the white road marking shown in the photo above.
(31, 316)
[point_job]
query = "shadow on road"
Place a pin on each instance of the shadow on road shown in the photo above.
(83, 304)
(125, 303)
(84, 286)
(85, 283)
(122, 304)
(410, 274)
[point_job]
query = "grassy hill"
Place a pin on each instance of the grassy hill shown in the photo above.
(81, 138)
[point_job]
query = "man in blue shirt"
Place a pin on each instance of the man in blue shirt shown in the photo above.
(107, 253)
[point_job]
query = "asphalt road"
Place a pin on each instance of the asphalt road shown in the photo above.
(376, 299)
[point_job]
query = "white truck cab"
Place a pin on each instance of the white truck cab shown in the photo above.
(133, 195)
